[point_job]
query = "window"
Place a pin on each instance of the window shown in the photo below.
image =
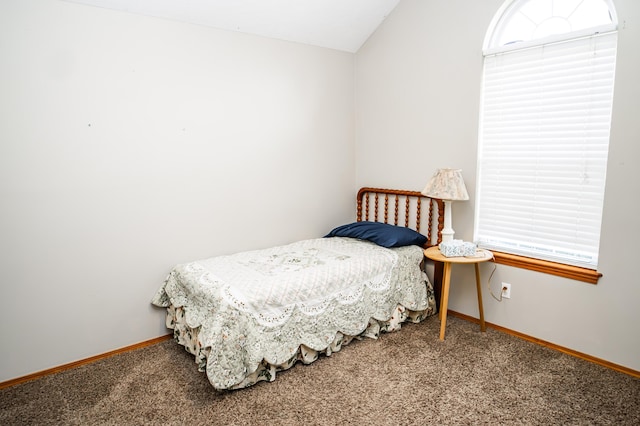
(549, 68)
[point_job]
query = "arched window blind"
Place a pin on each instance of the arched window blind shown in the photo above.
(544, 137)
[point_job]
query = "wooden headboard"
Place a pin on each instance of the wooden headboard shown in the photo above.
(409, 208)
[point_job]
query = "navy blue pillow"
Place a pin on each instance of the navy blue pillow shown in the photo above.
(383, 234)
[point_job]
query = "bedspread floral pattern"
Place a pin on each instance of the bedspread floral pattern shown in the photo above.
(241, 334)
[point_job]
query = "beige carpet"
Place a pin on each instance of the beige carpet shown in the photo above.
(404, 378)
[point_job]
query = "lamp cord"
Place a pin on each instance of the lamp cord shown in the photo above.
(481, 253)
(495, 266)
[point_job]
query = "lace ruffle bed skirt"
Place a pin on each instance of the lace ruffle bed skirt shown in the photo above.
(188, 337)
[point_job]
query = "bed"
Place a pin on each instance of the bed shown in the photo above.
(249, 315)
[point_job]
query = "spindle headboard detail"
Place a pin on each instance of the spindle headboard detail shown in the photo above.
(410, 203)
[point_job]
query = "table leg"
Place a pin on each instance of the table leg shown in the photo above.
(479, 288)
(446, 278)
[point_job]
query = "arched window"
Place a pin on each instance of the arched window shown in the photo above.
(533, 21)
(549, 68)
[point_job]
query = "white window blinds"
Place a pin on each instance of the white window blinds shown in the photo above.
(544, 136)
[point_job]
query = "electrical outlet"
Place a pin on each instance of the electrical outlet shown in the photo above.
(506, 290)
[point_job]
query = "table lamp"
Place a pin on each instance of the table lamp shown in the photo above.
(447, 185)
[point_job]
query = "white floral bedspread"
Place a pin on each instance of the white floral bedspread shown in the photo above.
(264, 304)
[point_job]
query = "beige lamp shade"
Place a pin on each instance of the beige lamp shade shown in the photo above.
(446, 184)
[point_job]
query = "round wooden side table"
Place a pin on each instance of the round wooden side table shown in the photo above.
(482, 255)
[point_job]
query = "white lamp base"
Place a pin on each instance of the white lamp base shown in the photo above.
(447, 231)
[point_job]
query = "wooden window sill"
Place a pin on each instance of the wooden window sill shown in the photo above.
(567, 271)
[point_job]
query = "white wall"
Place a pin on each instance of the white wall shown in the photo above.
(417, 96)
(129, 144)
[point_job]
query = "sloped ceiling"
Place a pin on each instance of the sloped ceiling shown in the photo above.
(336, 24)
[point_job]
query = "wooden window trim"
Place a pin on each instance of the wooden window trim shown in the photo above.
(567, 271)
